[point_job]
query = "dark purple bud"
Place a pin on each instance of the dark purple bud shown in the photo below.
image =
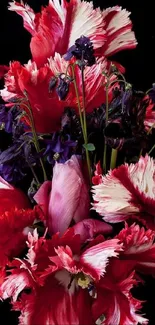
(114, 143)
(151, 93)
(63, 88)
(82, 50)
(52, 84)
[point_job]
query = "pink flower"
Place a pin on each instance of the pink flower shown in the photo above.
(138, 248)
(127, 191)
(47, 107)
(58, 26)
(66, 199)
(11, 197)
(59, 272)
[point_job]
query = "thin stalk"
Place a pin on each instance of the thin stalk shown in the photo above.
(148, 132)
(106, 121)
(34, 174)
(82, 117)
(114, 153)
(36, 142)
(85, 123)
(151, 149)
(117, 80)
(77, 97)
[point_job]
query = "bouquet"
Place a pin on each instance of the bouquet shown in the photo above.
(77, 174)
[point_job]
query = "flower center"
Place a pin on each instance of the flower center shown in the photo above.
(83, 280)
(100, 320)
(56, 156)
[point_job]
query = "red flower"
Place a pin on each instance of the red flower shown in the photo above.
(46, 106)
(13, 232)
(138, 248)
(114, 303)
(128, 191)
(58, 26)
(3, 70)
(97, 179)
(59, 272)
(11, 197)
(149, 120)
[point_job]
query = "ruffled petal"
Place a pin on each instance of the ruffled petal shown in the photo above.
(96, 258)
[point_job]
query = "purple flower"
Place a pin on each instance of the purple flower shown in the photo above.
(151, 93)
(59, 149)
(18, 158)
(82, 50)
(12, 164)
(10, 120)
(6, 119)
(52, 83)
(63, 87)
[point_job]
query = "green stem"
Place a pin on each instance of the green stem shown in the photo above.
(77, 97)
(117, 80)
(151, 149)
(85, 124)
(114, 153)
(148, 132)
(82, 116)
(36, 142)
(34, 174)
(106, 121)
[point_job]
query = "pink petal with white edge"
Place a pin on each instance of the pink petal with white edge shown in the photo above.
(27, 14)
(89, 228)
(96, 258)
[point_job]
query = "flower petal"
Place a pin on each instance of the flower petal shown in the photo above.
(43, 195)
(73, 203)
(96, 258)
(89, 228)
(127, 191)
(26, 12)
(138, 247)
(118, 31)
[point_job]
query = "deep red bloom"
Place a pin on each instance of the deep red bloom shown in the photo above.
(138, 248)
(11, 197)
(97, 178)
(13, 232)
(3, 70)
(114, 303)
(59, 272)
(46, 106)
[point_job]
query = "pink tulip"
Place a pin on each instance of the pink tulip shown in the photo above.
(11, 197)
(66, 199)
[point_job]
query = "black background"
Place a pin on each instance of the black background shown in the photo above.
(139, 63)
(140, 71)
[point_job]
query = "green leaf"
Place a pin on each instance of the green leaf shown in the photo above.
(89, 146)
